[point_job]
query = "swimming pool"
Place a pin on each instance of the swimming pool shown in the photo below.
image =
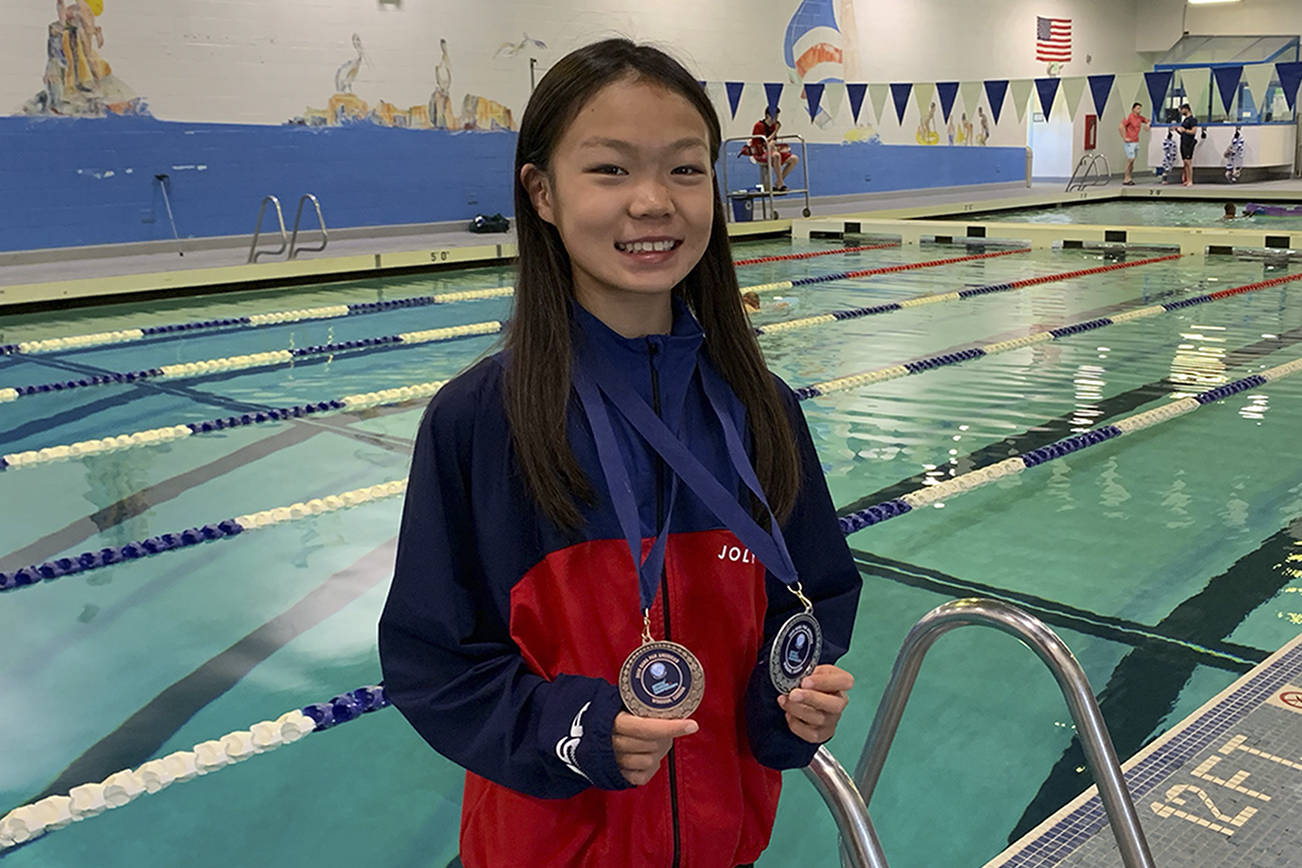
(1166, 211)
(1160, 557)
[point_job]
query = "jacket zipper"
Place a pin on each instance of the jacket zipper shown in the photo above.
(664, 598)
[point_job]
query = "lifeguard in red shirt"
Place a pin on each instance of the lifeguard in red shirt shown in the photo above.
(764, 150)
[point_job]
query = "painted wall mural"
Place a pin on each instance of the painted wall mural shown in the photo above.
(477, 112)
(820, 46)
(78, 81)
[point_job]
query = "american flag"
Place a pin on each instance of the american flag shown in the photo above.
(1053, 39)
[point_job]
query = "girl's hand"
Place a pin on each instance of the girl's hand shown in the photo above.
(640, 744)
(814, 708)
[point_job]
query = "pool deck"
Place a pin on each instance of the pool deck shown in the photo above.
(1221, 788)
(94, 273)
(944, 221)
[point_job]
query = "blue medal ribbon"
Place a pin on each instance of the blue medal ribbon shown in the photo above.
(621, 490)
(768, 546)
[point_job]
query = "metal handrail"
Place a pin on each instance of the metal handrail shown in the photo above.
(294, 250)
(858, 837)
(768, 194)
(254, 252)
(1046, 644)
(1086, 168)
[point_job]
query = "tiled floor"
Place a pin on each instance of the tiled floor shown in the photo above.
(1221, 789)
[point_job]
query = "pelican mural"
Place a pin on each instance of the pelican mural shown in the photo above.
(347, 107)
(348, 71)
(511, 49)
(78, 81)
(441, 114)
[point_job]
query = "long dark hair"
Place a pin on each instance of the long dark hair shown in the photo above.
(538, 335)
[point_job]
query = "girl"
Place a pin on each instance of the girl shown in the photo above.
(570, 619)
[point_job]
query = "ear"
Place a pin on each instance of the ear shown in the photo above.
(539, 187)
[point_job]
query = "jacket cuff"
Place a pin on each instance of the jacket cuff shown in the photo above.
(595, 756)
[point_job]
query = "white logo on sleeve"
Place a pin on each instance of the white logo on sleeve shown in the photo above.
(568, 748)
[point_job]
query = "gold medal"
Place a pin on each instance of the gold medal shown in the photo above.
(661, 679)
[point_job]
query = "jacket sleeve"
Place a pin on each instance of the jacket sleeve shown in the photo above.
(449, 662)
(829, 579)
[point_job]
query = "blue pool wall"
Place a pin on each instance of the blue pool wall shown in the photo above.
(70, 182)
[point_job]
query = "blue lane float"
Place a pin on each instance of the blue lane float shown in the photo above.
(57, 568)
(938, 492)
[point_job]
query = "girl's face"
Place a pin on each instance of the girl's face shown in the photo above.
(630, 191)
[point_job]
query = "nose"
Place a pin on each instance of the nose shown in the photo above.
(651, 198)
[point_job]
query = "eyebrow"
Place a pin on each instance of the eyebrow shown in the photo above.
(629, 147)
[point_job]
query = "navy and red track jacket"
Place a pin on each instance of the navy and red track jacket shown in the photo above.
(502, 638)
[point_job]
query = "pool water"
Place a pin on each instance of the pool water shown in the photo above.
(1146, 212)
(1161, 558)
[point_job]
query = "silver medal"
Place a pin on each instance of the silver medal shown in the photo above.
(795, 652)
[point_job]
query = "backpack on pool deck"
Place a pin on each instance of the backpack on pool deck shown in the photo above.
(495, 223)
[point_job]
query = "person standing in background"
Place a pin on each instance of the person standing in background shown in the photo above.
(1188, 138)
(1129, 129)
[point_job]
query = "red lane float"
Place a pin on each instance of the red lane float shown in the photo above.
(810, 255)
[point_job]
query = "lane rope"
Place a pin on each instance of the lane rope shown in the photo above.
(72, 342)
(34, 819)
(275, 358)
(787, 257)
(884, 269)
(69, 565)
(878, 375)
(120, 788)
(941, 491)
(402, 394)
(933, 298)
(212, 532)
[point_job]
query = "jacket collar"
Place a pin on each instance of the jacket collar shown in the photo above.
(672, 357)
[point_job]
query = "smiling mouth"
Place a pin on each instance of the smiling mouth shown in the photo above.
(647, 246)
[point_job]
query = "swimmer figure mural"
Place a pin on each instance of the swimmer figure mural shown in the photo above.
(927, 134)
(78, 82)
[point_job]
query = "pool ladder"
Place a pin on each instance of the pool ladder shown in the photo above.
(287, 241)
(1087, 173)
(848, 797)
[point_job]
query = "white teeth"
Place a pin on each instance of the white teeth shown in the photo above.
(645, 246)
